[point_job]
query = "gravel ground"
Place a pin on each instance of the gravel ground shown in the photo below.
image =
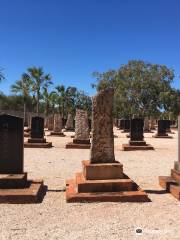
(55, 219)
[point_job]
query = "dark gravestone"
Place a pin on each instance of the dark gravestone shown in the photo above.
(121, 124)
(168, 125)
(64, 122)
(137, 125)
(11, 144)
(127, 125)
(37, 127)
(162, 125)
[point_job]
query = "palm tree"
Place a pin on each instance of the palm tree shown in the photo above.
(1, 75)
(39, 80)
(23, 87)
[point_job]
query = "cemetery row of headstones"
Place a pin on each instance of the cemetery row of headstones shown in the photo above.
(102, 177)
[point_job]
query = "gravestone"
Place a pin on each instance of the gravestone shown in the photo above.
(82, 134)
(70, 123)
(81, 127)
(14, 185)
(146, 124)
(37, 139)
(50, 122)
(57, 129)
(37, 127)
(102, 146)
(136, 133)
(161, 132)
(126, 125)
(11, 144)
(168, 126)
(136, 137)
(102, 178)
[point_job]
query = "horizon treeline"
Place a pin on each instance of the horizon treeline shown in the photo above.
(142, 89)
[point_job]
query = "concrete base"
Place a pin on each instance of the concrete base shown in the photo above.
(78, 145)
(136, 145)
(26, 134)
(118, 189)
(16, 189)
(58, 134)
(171, 183)
(37, 143)
(162, 136)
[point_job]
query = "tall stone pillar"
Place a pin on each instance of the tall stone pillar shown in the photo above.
(102, 146)
(50, 123)
(146, 124)
(177, 164)
(57, 128)
(69, 123)
(82, 134)
(102, 178)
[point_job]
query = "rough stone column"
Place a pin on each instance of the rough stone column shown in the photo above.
(102, 147)
(57, 123)
(152, 123)
(177, 164)
(81, 125)
(146, 124)
(50, 123)
(69, 122)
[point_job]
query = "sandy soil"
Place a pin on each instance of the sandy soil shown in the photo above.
(55, 219)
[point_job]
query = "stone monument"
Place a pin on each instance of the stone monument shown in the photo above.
(136, 137)
(126, 125)
(172, 183)
(57, 129)
(50, 123)
(161, 132)
(69, 123)
(37, 139)
(82, 134)
(146, 125)
(14, 186)
(102, 178)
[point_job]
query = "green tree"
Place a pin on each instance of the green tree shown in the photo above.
(23, 87)
(140, 88)
(39, 80)
(1, 75)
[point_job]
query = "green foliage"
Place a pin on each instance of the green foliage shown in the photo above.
(141, 88)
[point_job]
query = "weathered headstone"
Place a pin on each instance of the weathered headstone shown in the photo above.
(14, 186)
(102, 146)
(146, 124)
(57, 129)
(50, 123)
(82, 134)
(152, 123)
(69, 123)
(81, 127)
(11, 144)
(102, 178)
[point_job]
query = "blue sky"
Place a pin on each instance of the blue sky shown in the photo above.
(72, 38)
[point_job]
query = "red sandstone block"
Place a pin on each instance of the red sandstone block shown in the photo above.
(175, 175)
(124, 196)
(32, 193)
(165, 182)
(102, 171)
(175, 191)
(110, 185)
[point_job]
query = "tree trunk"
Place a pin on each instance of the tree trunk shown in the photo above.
(37, 102)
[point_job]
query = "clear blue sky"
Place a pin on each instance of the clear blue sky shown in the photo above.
(72, 38)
